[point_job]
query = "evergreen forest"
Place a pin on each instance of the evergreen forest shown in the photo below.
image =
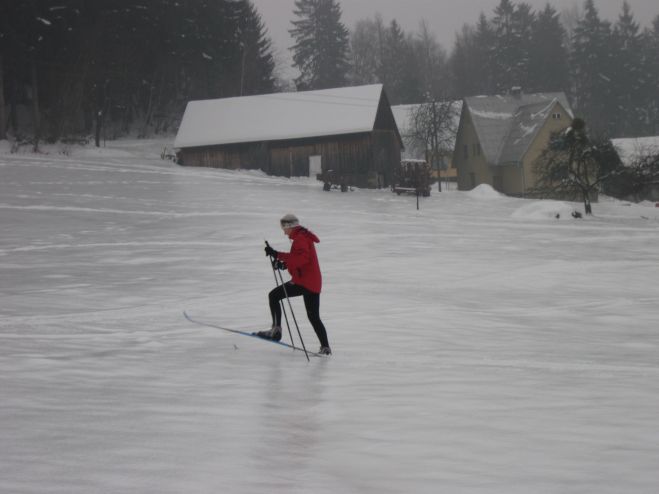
(75, 69)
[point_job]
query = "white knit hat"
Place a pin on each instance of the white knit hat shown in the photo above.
(289, 221)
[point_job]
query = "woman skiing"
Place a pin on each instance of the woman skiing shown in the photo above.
(306, 280)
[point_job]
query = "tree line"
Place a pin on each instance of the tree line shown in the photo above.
(113, 66)
(610, 71)
(108, 67)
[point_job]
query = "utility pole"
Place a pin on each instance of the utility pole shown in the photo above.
(434, 145)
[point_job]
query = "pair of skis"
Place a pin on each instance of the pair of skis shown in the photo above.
(245, 333)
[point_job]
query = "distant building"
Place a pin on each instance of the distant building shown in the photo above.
(348, 132)
(500, 138)
(631, 150)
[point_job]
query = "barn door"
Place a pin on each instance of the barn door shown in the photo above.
(315, 165)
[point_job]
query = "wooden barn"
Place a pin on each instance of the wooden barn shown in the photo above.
(347, 132)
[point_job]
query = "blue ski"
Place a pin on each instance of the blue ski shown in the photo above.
(245, 333)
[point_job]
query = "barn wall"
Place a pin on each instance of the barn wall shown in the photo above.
(363, 160)
(350, 157)
(386, 149)
(233, 157)
(387, 145)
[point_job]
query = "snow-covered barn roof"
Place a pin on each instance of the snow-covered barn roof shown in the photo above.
(633, 148)
(279, 116)
(506, 125)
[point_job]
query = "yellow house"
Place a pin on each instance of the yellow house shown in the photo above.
(500, 138)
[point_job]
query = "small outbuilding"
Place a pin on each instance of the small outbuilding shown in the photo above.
(348, 132)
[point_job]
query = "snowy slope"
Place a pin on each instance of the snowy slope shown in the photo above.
(480, 344)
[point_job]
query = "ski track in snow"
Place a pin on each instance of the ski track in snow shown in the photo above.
(480, 344)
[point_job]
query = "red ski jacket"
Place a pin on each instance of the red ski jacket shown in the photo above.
(302, 261)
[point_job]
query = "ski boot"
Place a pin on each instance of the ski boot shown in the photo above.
(273, 334)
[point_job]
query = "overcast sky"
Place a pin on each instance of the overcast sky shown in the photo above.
(444, 17)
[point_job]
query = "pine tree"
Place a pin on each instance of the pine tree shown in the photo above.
(364, 53)
(651, 69)
(463, 82)
(630, 81)
(591, 70)
(471, 62)
(484, 56)
(395, 53)
(523, 20)
(432, 65)
(321, 45)
(504, 46)
(512, 38)
(254, 49)
(548, 63)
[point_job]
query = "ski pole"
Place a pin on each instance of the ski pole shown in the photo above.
(290, 306)
(281, 302)
(283, 285)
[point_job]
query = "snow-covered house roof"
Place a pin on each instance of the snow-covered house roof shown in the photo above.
(630, 149)
(507, 125)
(279, 116)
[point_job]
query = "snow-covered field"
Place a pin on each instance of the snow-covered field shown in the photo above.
(481, 345)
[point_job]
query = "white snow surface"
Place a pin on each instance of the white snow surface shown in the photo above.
(492, 114)
(480, 344)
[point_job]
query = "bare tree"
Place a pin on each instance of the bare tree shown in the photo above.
(433, 63)
(434, 123)
(365, 51)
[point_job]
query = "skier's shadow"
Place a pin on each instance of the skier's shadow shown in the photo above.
(291, 421)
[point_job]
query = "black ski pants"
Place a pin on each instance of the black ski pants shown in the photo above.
(311, 304)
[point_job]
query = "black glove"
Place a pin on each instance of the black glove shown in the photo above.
(281, 265)
(269, 251)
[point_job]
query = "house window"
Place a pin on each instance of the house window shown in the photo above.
(465, 151)
(556, 116)
(476, 149)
